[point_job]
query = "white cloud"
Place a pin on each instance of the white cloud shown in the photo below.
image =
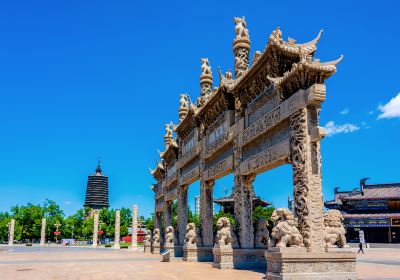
(332, 128)
(391, 109)
(371, 112)
(345, 111)
(67, 202)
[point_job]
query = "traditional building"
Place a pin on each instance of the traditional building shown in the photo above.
(373, 209)
(97, 190)
(227, 203)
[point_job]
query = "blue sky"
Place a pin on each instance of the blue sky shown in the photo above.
(81, 80)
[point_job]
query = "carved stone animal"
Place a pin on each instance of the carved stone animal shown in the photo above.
(156, 235)
(240, 27)
(261, 239)
(147, 238)
(334, 232)
(205, 67)
(169, 235)
(190, 237)
(285, 230)
(223, 232)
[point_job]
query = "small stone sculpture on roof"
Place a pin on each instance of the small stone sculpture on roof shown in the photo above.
(240, 27)
(205, 67)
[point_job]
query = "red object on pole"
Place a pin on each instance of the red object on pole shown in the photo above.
(57, 233)
(100, 232)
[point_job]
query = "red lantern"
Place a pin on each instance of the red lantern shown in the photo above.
(57, 233)
(100, 232)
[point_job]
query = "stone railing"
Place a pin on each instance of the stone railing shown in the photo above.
(217, 144)
(188, 156)
(190, 176)
(219, 169)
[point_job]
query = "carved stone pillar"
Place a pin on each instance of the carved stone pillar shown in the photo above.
(241, 50)
(182, 212)
(43, 233)
(117, 229)
(243, 207)
(206, 213)
(158, 221)
(206, 84)
(134, 226)
(167, 215)
(95, 227)
(306, 163)
(11, 228)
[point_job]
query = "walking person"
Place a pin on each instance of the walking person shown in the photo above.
(361, 248)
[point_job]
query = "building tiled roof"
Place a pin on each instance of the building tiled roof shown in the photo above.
(374, 192)
(372, 215)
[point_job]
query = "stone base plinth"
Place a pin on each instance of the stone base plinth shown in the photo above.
(223, 257)
(249, 258)
(116, 246)
(190, 253)
(298, 264)
(147, 247)
(171, 247)
(156, 248)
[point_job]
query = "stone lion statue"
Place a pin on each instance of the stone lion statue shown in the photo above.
(224, 236)
(169, 235)
(261, 239)
(334, 232)
(285, 232)
(156, 235)
(240, 27)
(190, 237)
(205, 67)
(147, 238)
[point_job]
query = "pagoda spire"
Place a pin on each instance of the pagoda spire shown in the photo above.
(98, 169)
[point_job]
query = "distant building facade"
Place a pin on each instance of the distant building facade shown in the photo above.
(197, 205)
(97, 190)
(374, 209)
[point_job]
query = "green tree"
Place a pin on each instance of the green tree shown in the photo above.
(28, 221)
(263, 213)
(4, 220)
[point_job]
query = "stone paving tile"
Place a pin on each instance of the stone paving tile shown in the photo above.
(80, 264)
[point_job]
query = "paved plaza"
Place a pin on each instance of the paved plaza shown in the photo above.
(87, 263)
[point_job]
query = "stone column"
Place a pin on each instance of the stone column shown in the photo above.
(241, 49)
(167, 215)
(182, 212)
(134, 225)
(243, 208)
(95, 227)
(11, 228)
(306, 163)
(43, 233)
(243, 192)
(117, 229)
(206, 83)
(206, 213)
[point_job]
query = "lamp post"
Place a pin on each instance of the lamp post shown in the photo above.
(57, 233)
(100, 232)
